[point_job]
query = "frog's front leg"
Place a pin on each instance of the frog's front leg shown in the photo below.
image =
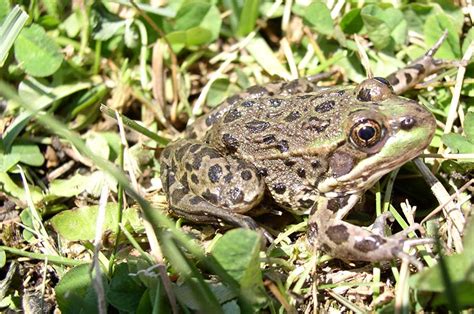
(340, 239)
(206, 187)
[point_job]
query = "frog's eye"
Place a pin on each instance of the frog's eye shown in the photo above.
(366, 133)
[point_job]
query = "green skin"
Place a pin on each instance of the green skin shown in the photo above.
(303, 148)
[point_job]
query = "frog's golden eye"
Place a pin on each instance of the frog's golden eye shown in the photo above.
(366, 133)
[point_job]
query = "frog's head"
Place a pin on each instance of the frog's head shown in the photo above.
(382, 131)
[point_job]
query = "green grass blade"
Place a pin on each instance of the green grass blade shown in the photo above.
(248, 17)
(9, 31)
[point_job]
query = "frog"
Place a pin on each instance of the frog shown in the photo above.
(308, 149)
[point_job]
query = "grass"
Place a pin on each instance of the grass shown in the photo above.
(84, 119)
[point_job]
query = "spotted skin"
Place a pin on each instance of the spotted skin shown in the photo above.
(310, 149)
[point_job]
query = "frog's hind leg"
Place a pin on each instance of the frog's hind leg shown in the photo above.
(404, 79)
(206, 187)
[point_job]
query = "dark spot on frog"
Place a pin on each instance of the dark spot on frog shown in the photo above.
(294, 115)
(341, 92)
(211, 197)
(407, 123)
(257, 125)
(228, 177)
(184, 181)
(236, 195)
(291, 87)
(178, 194)
(364, 94)
(233, 99)
(194, 179)
(193, 135)
(182, 150)
(194, 147)
(269, 139)
(257, 90)
(232, 115)
(166, 153)
(337, 234)
(394, 80)
(316, 124)
(301, 172)
(188, 166)
(246, 175)
(325, 106)
(247, 103)
(212, 118)
(341, 163)
(312, 230)
(279, 188)
(205, 151)
(326, 248)
(195, 200)
(275, 102)
(307, 203)
(283, 146)
(289, 162)
(408, 78)
(418, 67)
(262, 172)
(334, 204)
(240, 165)
(230, 142)
(214, 173)
(370, 243)
(315, 164)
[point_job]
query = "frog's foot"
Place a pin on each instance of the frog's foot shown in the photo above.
(404, 79)
(205, 187)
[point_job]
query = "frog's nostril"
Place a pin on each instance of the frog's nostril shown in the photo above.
(407, 123)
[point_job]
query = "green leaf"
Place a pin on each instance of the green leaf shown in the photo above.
(384, 27)
(197, 23)
(351, 22)
(248, 17)
(80, 224)
(125, 291)
(30, 154)
(435, 25)
(72, 186)
(318, 15)
(10, 30)
(7, 161)
(469, 126)
(75, 292)
(8, 186)
(458, 143)
(4, 9)
(47, 57)
(238, 253)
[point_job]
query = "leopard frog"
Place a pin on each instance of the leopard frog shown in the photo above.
(311, 150)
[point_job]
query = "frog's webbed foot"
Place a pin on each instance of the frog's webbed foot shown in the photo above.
(205, 187)
(404, 79)
(349, 242)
